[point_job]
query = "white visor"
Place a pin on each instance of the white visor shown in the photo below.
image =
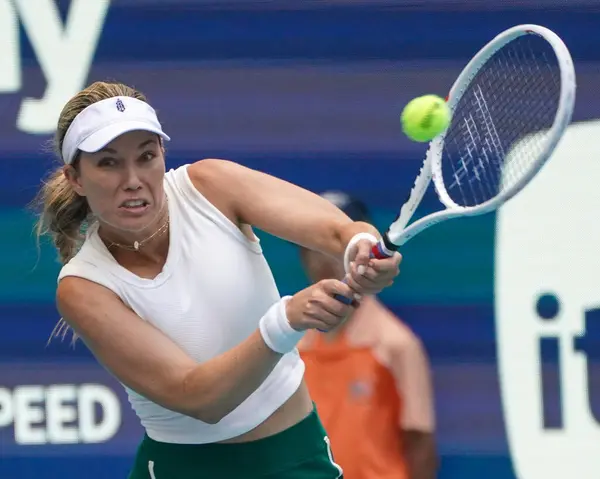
(103, 121)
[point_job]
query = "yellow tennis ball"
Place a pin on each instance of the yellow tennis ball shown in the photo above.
(425, 117)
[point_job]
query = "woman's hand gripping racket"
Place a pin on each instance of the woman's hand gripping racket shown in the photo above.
(510, 106)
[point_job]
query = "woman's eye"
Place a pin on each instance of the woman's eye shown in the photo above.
(107, 162)
(148, 156)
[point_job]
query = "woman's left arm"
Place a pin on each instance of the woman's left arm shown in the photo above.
(280, 208)
(247, 196)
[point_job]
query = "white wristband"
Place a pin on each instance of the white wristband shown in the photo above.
(276, 330)
(351, 248)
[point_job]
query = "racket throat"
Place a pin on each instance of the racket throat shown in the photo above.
(384, 248)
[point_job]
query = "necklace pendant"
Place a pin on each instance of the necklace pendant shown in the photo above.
(136, 245)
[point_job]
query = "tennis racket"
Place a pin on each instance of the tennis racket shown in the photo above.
(510, 106)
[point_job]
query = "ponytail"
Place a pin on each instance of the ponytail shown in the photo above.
(62, 216)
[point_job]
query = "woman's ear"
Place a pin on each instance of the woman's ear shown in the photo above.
(74, 179)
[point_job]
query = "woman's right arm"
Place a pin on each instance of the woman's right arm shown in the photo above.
(147, 361)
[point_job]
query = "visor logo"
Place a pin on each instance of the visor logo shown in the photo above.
(120, 105)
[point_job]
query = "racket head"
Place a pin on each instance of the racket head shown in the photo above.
(510, 106)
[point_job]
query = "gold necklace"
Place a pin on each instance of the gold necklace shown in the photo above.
(138, 244)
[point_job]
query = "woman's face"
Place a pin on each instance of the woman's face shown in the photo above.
(123, 182)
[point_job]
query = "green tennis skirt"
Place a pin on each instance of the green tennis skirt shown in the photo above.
(300, 452)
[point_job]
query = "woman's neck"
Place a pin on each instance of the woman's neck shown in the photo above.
(151, 241)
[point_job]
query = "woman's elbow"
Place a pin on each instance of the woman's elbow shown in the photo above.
(194, 408)
(186, 399)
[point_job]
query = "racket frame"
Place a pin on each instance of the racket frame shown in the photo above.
(399, 233)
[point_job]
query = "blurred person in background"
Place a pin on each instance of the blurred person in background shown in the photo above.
(166, 283)
(370, 380)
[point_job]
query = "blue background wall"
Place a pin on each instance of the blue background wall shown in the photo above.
(312, 95)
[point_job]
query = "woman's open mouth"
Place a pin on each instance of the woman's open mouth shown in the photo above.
(135, 206)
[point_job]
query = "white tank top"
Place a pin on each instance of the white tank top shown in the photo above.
(213, 290)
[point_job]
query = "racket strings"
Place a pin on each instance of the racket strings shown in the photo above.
(500, 124)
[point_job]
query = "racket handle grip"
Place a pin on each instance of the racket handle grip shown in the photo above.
(341, 298)
(378, 251)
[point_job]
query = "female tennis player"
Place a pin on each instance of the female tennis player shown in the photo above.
(165, 282)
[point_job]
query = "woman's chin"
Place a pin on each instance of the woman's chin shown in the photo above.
(131, 221)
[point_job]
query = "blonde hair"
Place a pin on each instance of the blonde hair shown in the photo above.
(63, 214)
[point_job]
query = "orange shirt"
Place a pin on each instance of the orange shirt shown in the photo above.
(369, 382)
